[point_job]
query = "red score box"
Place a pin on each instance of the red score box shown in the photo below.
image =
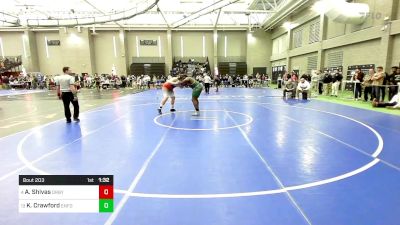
(106, 192)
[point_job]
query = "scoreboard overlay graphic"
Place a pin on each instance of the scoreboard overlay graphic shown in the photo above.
(66, 194)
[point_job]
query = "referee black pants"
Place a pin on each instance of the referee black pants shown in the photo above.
(207, 87)
(67, 98)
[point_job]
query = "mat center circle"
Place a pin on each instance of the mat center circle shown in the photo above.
(207, 120)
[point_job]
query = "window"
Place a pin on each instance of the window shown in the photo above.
(314, 32)
(297, 38)
(279, 45)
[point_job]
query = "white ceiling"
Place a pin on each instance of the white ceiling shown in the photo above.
(236, 14)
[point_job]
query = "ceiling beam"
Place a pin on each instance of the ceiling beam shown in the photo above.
(263, 4)
(253, 4)
(224, 11)
(204, 11)
(284, 11)
(198, 11)
(94, 7)
(163, 16)
(269, 3)
(216, 21)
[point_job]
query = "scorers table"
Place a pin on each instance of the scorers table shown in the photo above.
(66, 194)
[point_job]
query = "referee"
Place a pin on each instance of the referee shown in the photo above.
(67, 92)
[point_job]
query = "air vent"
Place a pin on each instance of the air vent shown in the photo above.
(335, 59)
(312, 63)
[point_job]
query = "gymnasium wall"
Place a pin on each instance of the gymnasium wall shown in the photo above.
(50, 60)
(280, 45)
(259, 50)
(396, 51)
(335, 29)
(398, 11)
(107, 54)
(357, 54)
(85, 52)
(300, 62)
(192, 43)
(360, 44)
(235, 41)
(281, 62)
(12, 43)
(305, 32)
(76, 50)
(146, 50)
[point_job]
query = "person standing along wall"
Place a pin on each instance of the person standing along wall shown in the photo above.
(383, 88)
(391, 80)
(367, 84)
(377, 81)
(397, 79)
(327, 83)
(358, 78)
(337, 80)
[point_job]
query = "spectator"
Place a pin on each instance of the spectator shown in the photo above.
(6, 82)
(217, 82)
(309, 78)
(315, 81)
(207, 83)
(397, 77)
(391, 80)
(327, 83)
(303, 87)
(154, 80)
(383, 87)
(251, 81)
(394, 102)
(377, 81)
(295, 79)
(337, 80)
(288, 87)
(147, 80)
(97, 80)
(245, 80)
(320, 82)
(357, 78)
(230, 80)
(123, 81)
(280, 80)
(367, 84)
(238, 82)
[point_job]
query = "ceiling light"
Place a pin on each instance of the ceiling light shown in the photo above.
(324, 6)
(320, 7)
(289, 25)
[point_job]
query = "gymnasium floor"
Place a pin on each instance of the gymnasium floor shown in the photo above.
(251, 158)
